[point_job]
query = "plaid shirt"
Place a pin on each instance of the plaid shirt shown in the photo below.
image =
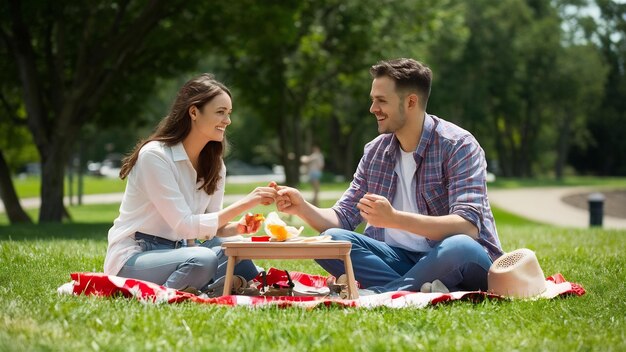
(451, 172)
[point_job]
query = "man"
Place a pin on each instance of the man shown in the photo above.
(421, 188)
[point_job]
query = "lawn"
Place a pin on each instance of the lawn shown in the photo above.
(35, 260)
(29, 187)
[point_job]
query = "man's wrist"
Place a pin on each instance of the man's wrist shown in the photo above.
(403, 220)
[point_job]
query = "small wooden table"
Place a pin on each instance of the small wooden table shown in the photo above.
(289, 250)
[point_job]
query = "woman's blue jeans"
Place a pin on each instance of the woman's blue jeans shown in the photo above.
(184, 266)
(458, 261)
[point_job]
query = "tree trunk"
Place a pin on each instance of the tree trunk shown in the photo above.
(288, 157)
(344, 148)
(349, 166)
(504, 154)
(52, 172)
(562, 147)
(288, 136)
(12, 205)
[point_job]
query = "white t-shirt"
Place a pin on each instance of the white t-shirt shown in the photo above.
(404, 200)
(162, 199)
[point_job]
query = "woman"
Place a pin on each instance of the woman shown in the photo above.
(175, 194)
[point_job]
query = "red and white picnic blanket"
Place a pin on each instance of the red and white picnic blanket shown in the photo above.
(98, 284)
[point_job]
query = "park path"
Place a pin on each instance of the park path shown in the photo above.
(545, 205)
(111, 198)
(541, 204)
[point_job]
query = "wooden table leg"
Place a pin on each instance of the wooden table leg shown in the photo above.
(352, 290)
(230, 271)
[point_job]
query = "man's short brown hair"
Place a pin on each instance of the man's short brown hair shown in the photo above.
(410, 76)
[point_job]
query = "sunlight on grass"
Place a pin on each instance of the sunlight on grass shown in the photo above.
(29, 187)
(36, 259)
(44, 256)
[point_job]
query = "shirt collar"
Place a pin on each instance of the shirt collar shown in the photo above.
(427, 133)
(178, 152)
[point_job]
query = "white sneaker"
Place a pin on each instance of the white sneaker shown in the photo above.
(435, 286)
(366, 292)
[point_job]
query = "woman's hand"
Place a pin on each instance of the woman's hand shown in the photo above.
(249, 223)
(261, 195)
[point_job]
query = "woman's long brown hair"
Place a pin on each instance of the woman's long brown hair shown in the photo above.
(177, 125)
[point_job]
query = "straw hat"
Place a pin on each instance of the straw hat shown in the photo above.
(517, 274)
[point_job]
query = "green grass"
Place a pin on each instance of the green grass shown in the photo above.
(30, 186)
(35, 260)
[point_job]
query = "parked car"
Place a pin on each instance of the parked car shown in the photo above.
(93, 168)
(109, 167)
(30, 169)
(241, 172)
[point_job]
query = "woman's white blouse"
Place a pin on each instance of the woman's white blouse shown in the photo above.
(162, 199)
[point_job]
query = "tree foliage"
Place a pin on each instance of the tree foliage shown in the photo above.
(606, 151)
(305, 71)
(540, 83)
(82, 63)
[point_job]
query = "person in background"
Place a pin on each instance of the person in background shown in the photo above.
(421, 188)
(174, 195)
(315, 165)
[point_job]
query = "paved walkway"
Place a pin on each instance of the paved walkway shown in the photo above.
(539, 204)
(111, 198)
(545, 205)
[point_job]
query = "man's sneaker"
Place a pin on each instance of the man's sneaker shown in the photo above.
(366, 292)
(435, 286)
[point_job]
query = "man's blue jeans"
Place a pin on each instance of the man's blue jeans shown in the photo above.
(458, 261)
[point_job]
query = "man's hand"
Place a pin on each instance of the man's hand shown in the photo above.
(377, 210)
(289, 200)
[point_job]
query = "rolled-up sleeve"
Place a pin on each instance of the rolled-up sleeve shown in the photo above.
(467, 183)
(345, 208)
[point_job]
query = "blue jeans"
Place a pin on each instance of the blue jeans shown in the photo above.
(180, 267)
(458, 261)
(245, 268)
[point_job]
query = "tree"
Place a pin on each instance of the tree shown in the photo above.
(261, 58)
(579, 88)
(92, 62)
(305, 71)
(14, 210)
(501, 85)
(606, 151)
(13, 140)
